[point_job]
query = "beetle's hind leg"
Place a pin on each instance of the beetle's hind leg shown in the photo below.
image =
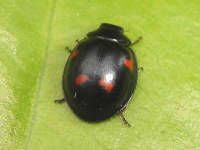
(140, 69)
(120, 112)
(59, 101)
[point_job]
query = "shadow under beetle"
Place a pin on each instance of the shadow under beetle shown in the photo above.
(100, 75)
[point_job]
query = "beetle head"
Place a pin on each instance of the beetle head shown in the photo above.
(112, 33)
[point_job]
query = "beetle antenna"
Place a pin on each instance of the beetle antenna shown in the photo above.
(124, 119)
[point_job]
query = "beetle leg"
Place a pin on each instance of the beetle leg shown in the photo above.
(68, 49)
(124, 119)
(136, 41)
(78, 41)
(59, 100)
(140, 69)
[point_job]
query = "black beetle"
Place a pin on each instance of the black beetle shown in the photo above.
(100, 75)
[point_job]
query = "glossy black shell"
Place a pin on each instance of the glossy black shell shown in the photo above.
(100, 56)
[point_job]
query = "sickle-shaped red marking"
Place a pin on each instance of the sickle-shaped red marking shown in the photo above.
(80, 79)
(129, 63)
(106, 85)
(74, 53)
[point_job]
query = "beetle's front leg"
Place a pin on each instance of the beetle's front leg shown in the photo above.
(59, 100)
(136, 41)
(68, 49)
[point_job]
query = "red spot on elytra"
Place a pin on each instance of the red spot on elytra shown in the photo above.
(106, 85)
(74, 53)
(80, 79)
(129, 63)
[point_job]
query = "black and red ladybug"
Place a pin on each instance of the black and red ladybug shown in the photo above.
(100, 75)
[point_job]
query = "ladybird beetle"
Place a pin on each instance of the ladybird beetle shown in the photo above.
(100, 75)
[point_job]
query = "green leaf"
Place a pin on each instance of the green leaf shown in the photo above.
(165, 109)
